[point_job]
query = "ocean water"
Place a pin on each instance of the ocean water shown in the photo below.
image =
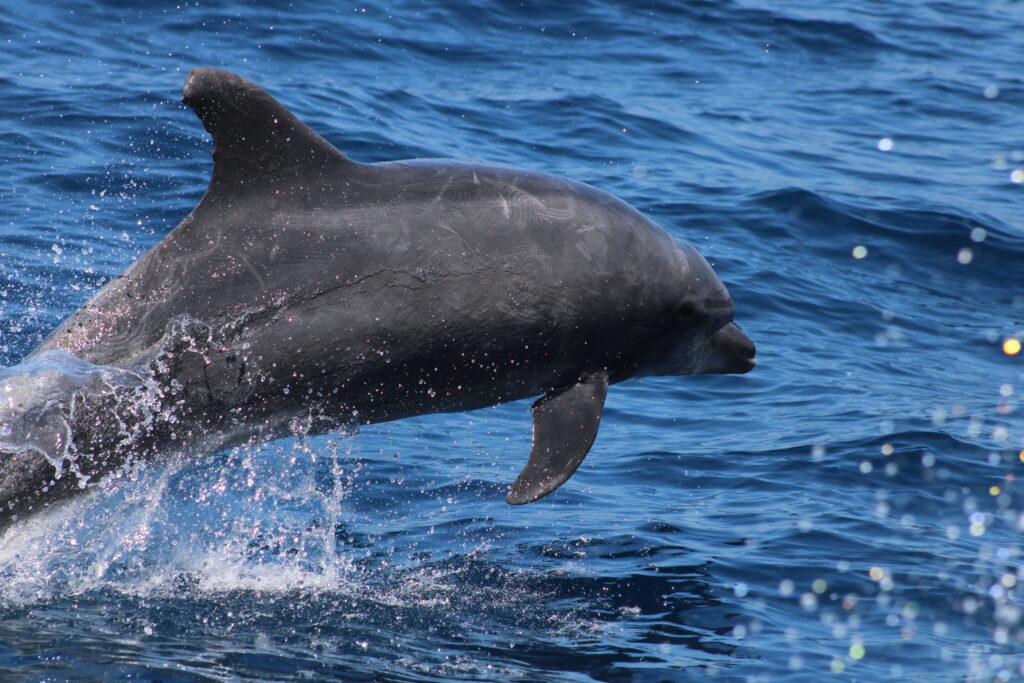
(847, 511)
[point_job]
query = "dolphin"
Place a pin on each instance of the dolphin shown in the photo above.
(305, 285)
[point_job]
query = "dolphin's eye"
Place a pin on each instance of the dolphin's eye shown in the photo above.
(688, 311)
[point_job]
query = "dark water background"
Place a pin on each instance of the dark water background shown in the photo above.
(848, 511)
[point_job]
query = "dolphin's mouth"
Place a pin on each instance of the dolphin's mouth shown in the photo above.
(736, 349)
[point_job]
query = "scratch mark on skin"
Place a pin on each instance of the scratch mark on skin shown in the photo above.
(255, 273)
(585, 250)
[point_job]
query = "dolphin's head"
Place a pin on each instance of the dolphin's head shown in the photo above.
(708, 342)
(699, 336)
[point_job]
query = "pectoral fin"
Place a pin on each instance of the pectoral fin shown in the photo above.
(564, 427)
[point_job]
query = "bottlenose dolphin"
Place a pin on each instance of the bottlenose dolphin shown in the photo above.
(307, 285)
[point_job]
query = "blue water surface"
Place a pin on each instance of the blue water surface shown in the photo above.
(849, 510)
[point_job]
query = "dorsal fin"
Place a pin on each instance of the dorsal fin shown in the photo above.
(256, 140)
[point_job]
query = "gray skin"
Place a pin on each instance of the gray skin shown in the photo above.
(307, 285)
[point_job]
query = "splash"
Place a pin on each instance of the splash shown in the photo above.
(255, 518)
(41, 400)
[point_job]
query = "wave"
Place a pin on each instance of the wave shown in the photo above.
(929, 248)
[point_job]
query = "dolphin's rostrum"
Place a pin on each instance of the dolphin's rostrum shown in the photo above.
(306, 284)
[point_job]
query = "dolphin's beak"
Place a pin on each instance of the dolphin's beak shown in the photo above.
(735, 349)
